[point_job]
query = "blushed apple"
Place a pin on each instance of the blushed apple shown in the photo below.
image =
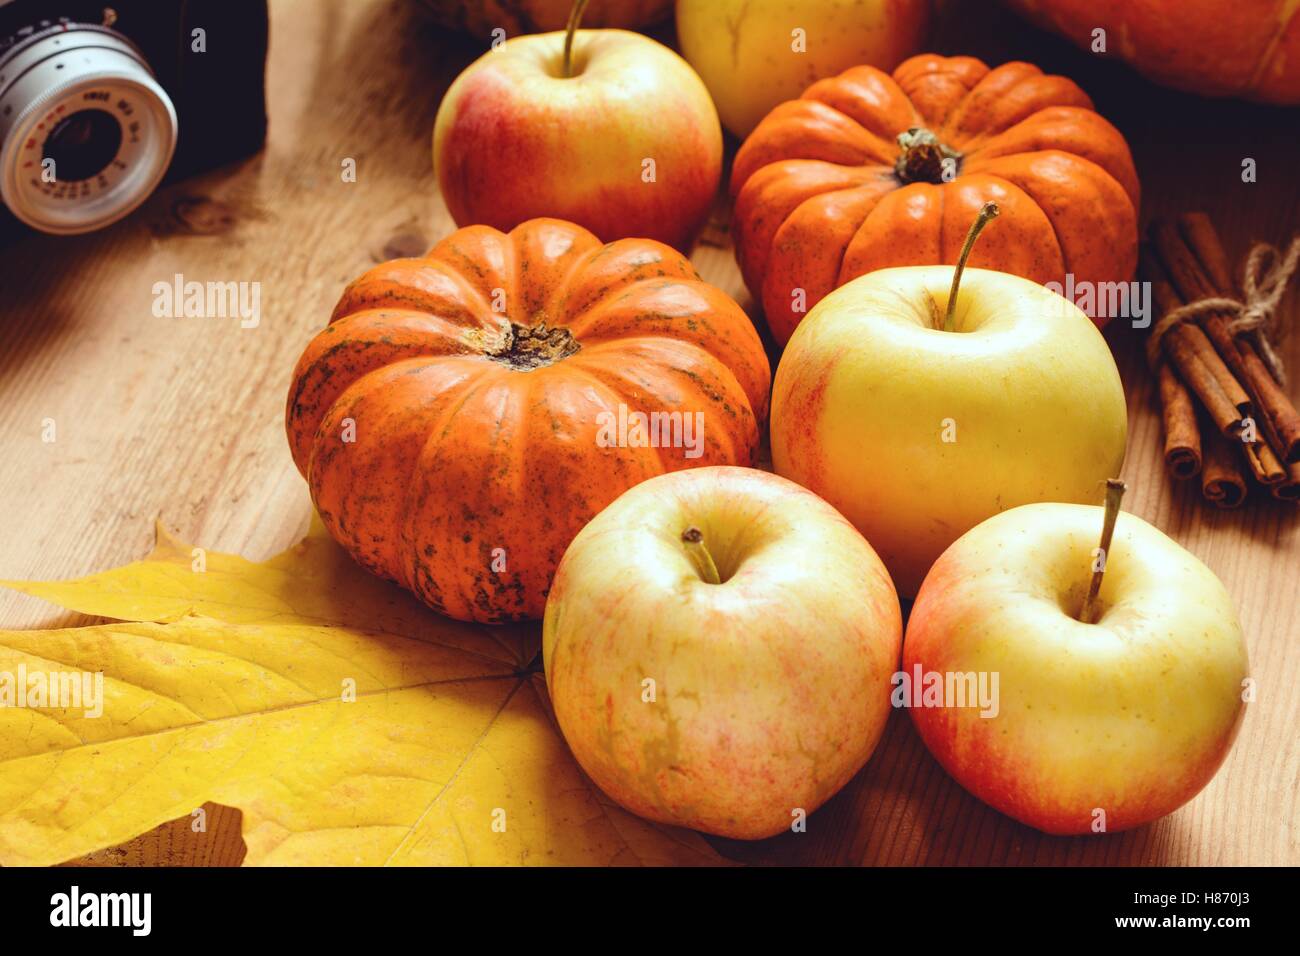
(754, 54)
(918, 425)
(1107, 718)
(620, 137)
(719, 645)
(482, 17)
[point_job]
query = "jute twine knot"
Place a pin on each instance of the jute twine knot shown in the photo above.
(1264, 282)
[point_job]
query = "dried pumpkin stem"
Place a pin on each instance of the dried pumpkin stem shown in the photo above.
(923, 159)
(988, 212)
(1114, 493)
(534, 346)
(693, 538)
(575, 17)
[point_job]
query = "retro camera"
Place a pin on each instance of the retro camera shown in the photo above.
(99, 102)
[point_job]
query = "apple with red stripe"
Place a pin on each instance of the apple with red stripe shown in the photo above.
(1120, 692)
(605, 128)
(719, 644)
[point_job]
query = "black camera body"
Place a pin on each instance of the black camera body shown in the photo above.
(85, 135)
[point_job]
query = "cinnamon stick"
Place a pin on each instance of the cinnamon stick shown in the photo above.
(1203, 271)
(1288, 489)
(1191, 353)
(1222, 483)
(1263, 462)
(1182, 434)
(1191, 281)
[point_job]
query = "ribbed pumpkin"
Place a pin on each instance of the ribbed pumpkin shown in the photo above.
(454, 418)
(1215, 47)
(868, 170)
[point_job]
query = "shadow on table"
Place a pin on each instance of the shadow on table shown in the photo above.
(902, 809)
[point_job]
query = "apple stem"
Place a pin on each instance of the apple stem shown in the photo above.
(1114, 492)
(693, 538)
(989, 211)
(575, 16)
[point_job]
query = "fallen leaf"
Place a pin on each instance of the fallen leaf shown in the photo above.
(228, 684)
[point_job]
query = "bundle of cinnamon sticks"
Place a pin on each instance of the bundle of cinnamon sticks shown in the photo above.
(1226, 415)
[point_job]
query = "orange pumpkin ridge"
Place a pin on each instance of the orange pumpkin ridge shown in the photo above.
(449, 418)
(867, 171)
(1211, 47)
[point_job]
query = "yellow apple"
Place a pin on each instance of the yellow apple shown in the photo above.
(917, 434)
(731, 679)
(1099, 725)
(754, 54)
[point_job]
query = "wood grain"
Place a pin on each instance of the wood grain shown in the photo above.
(183, 418)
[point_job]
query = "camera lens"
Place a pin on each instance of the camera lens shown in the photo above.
(86, 132)
(82, 144)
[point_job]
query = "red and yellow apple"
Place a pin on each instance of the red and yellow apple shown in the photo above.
(754, 54)
(917, 434)
(1106, 724)
(719, 645)
(481, 17)
(624, 141)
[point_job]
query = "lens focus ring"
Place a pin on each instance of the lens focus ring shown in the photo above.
(86, 133)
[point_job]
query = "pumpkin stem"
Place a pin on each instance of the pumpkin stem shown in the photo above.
(989, 211)
(575, 16)
(1114, 492)
(532, 346)
(693, 538)
(922, 156)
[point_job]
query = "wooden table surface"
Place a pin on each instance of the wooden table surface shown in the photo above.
(182, 419)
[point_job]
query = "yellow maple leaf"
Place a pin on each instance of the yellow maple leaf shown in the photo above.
(348, 723)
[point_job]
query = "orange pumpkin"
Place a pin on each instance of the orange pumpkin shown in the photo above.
(459, 421)
(1215, 47)
(868, 170)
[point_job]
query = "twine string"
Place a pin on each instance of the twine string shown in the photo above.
(1267, 273)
